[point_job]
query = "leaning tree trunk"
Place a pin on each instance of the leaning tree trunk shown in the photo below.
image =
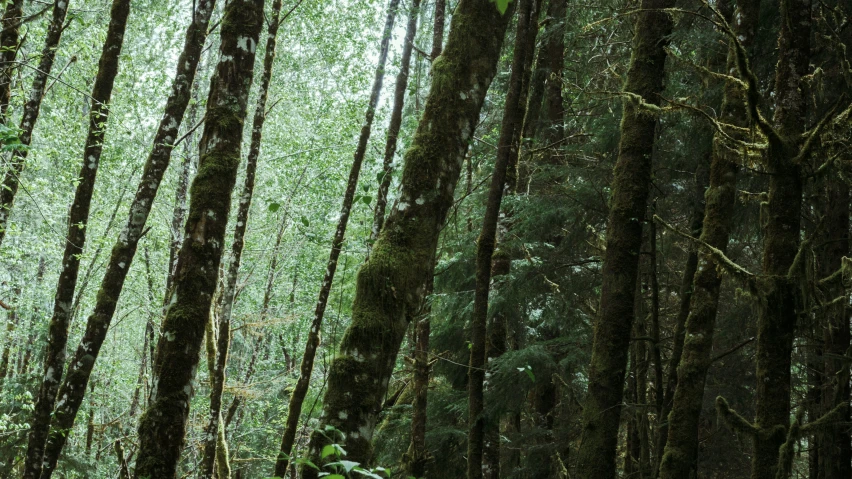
(631, 182)
(681, 447)
(124, 249)
(294, 409)
(9, 42)
(54, 361)
(513, 115)
(215, 428)
(390, 286)
(163, 427)
(776, 321)
(396, 116)
(417, 457)
(31, 110)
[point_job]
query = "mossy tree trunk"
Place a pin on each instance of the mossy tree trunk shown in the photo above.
(31, 111)
(631, 183)
(776, 322)
(418, 457)
(681, 447)
(54, 361)
(124, 249)
(294, 409)
(9, 43)
(553, 51)
(478, 465)
(391, 285)
(400, 87)
(163, 426)
(214, 438)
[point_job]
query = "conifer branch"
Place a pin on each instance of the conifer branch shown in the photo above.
(734, 420)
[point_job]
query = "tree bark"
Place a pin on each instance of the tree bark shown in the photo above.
(631, 183)
(30, 115)
(223, 344)
(163, 426)
(776, 321)
(396, 116)
(418, 457)
(681, 446)
(294, 408)
(124, 250)
(478, 464)
(554, 53)
(390, 286)
(75, 240)
(9, 43)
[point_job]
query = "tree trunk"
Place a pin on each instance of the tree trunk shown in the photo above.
(479, 430)
(681, 447)
(553, 51)
(396, 117)
(418, 454)
(9, 43)
(124, 249)
(390, 286)
(54, 362)
(212, 443)
(776, 320)
(294, 408)
(835, 455)
(163, 426)
(631, 183)
(11, 324)
(30, 115)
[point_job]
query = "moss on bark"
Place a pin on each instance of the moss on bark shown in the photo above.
(631, 182)
(391, 284)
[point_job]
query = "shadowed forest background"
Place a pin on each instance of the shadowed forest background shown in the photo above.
(425, 238)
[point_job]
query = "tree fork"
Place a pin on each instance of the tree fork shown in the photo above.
(124, 249)
(162, 429)
(215, 426)
(78, 218)
(631, 182)
(294, 408)
(391, 284)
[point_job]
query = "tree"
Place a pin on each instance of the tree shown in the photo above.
(75, 239)
(163, 426)
(631, 183)
(11, 180)
(682, 445)
(391, 284)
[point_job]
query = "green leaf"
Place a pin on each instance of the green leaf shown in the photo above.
(346, 465)
(273, 207)
(502, 6)
(327, 451)
(366, 199)
(306, 462)
(305, 221)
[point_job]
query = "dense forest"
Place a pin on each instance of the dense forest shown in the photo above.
(412, 239)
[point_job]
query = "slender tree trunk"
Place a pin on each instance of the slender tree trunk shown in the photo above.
(124, 249)
(702, 180)
(294, 409)
(163, 427)
(834, 446)
(212, 444)
(554, 53)
(75, 240)
(9, 40)
(146, 341)
(480, 465)
(11, 324)
(396, 117)
(679, 456)
(390, 286)
(438, 28)
(631, 183)
(776, 320)
(31, 110)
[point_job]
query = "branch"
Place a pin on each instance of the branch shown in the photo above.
(723, 261)
(734, 420)
(811, 135)
(731, 351)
